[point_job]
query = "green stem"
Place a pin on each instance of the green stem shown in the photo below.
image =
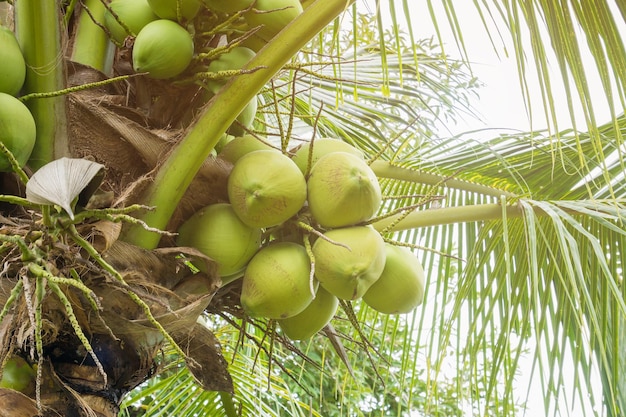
(38, 30)
(227, 403)
(447, 215)
(385, 169)
(92, 45)
(179, 169)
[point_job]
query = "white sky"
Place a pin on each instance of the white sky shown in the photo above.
(501, 104)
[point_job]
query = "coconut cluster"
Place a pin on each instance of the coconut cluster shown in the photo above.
(174, 40)
(295, 230)
(295, 226)
(17, 125)
(161, 32)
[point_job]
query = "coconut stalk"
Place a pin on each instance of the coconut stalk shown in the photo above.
(92, 46)
(384, 169)
(39, 33)
(182, 164)
(447, 215)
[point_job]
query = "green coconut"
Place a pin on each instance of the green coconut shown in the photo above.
(321, 147)
(312, 319)
(135, 14)
(17, 130)
(163, 49)
(400, 287)
(242, 145)
(349, 260)
(12, 64)
(178, 10)
(342, 190)
(276, 283)
(228, 6)
(245, 119)
(233, 60)
(18, 375)
(216, 231)
(266, 188)
(272, 15)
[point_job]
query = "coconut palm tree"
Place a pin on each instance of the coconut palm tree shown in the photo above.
(521, 236)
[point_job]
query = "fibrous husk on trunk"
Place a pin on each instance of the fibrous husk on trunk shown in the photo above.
(131, 142)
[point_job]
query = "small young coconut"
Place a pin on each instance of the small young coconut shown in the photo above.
(18, 375)
(177, 10)
(245, 119)
(242, 145)
(400, 287)
(266, 188)
(272, 15)
(342, 190)
(12, 64)
(312, 319)
(348, 273)
(135, 14)
(321, 147)
(216, 231)
(276, 283)
(227, 6)
(163, 49)
(17, 130)
(232, 60)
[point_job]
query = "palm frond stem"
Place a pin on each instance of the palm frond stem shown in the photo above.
(385, 169)
(92, 45)
(38, 30)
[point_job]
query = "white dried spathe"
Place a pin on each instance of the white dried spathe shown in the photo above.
(61, 181)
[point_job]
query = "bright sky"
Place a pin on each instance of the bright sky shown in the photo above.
(501, 104)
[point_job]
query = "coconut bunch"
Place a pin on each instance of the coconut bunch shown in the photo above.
(165, 35)
(295, 231)
(193, 45)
